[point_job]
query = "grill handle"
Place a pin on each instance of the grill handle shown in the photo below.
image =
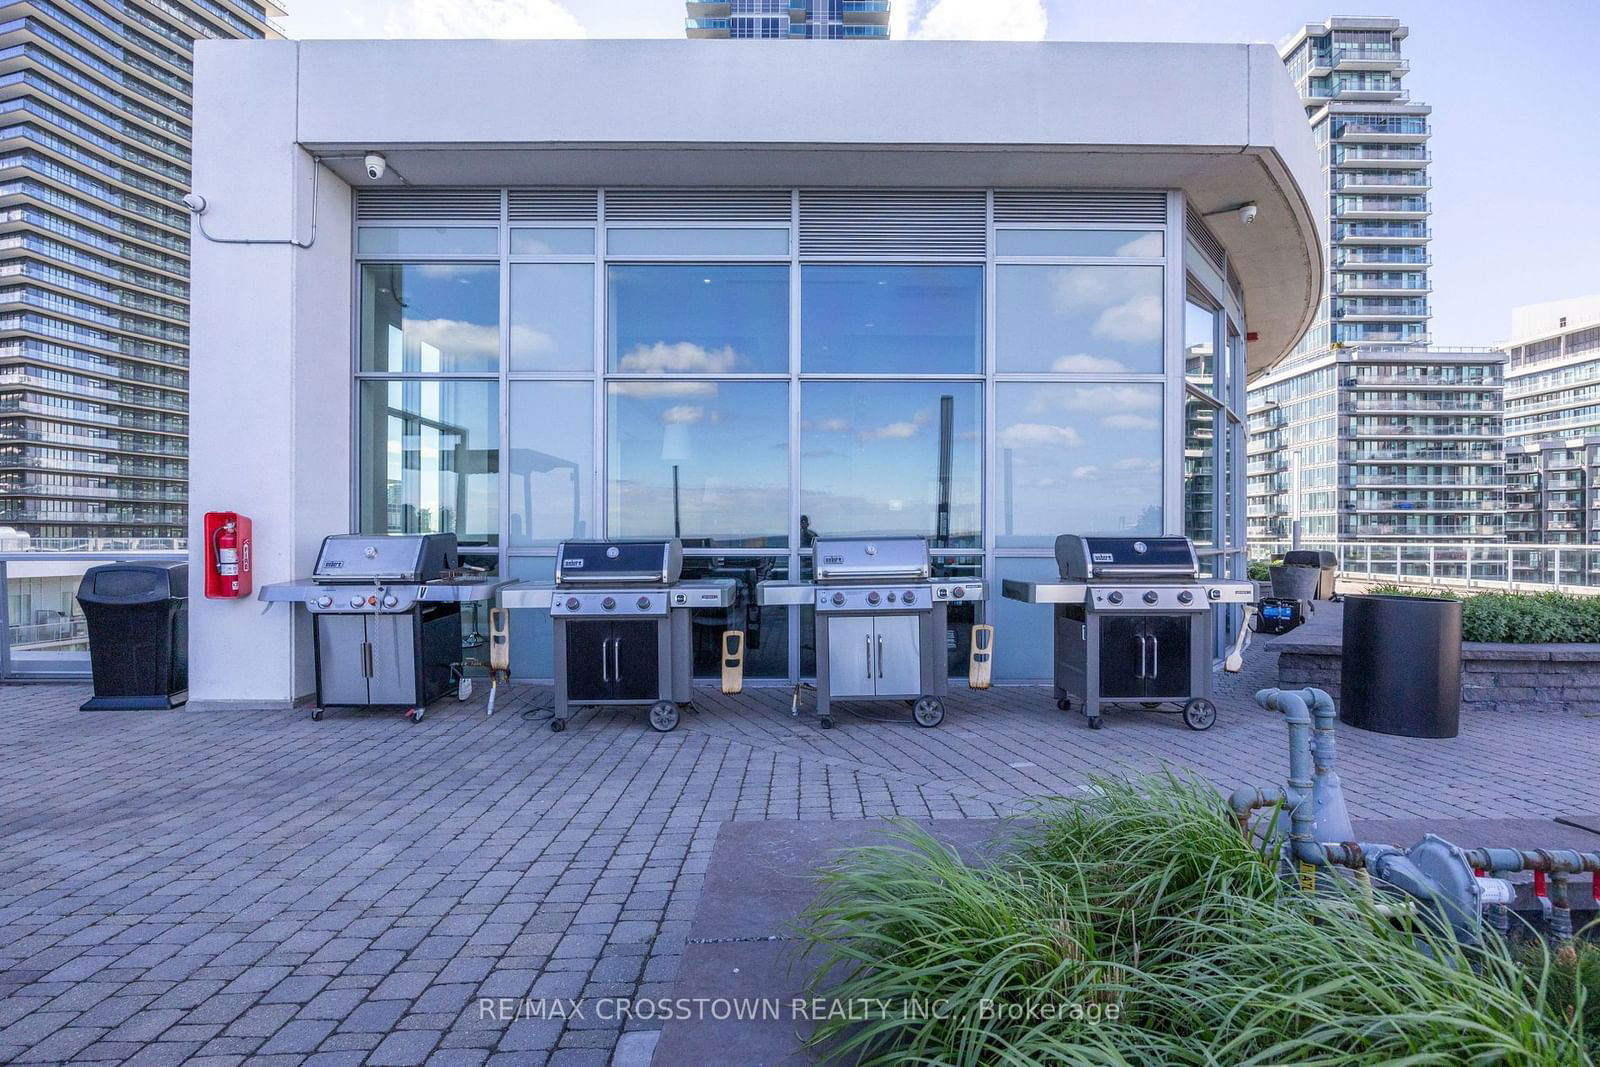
(869, 657)
(1144, 656)
(616, 658)
(605, 663)
(880, 655)
(1155, 656)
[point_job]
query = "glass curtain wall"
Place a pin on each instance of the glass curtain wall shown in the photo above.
(522, 385)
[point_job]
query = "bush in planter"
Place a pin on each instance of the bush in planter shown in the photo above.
(1139, 927)
(1258, 571)
(1518, 618)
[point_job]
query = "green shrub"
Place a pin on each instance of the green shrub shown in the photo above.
(1573, 981)
(1518, 618)
(1159, 936)
(1259, 571)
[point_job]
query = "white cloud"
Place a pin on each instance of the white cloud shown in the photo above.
(1083, 363)
(1088, 470)
(1148, 245)
(683, 414)
(658, 390)
(463, 342)
(1106, 399)
(898, 431)
(1131, 422)
(681, 358)
(826, 425)
(1133, 320)
(1039, 435)
(1135, 463)
(482, 18)
(982, 20)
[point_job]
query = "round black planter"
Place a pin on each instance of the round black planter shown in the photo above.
(1402, 665)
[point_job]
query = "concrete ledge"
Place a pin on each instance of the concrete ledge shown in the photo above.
(245, 705)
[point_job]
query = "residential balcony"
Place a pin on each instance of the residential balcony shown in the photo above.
(1442, 481)
(1381, 233)
(1398, 311)
(705, 28)
(1377, 182)
(1366, 403)
(1378, 286)
(1412, 381)
(865, 12)
(1390, 507)
(1406, 132)
(1400, 429)
(1345, 258)
(700, 9)
(1425, 531)
(1380, 208)
(1378, 334)
(1352, 156)
(1419, 454)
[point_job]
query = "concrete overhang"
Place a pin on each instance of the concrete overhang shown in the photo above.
(1221, 123)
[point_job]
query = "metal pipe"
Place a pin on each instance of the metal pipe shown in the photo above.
(1560, 907)
(1297, 796)
(1332, 820)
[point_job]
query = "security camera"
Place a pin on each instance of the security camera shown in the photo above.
(195, 203)
(1247, 214)
(377, 166)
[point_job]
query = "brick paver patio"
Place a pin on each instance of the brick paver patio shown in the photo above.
(217, 887)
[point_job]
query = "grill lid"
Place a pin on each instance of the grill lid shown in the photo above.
(1082, 557)
(386, 557)
(637, 562)
(846, 559)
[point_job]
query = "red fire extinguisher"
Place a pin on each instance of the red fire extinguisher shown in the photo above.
(228, 550)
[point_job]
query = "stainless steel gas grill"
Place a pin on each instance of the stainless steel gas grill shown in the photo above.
(1132, 624)
(385, 617)
(621, 617)
(880, 623)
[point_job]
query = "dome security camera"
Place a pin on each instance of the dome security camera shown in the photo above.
(377, 166)
(195, 203)
(1247, 214)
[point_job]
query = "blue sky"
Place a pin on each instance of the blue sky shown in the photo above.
(1513, 85)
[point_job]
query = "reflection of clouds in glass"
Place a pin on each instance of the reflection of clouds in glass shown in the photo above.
(1131, 422)
(1131, 312)
(898, 431)
(1142, 464)
(1138, 319)
(683, 414)
(1107, 399)
(1147, 245)
(654, 390)
(445, 272)
(1083, 363)
(826, 425)
(1039, 435)
(681, 358)
(527, 340)
(1087, 471)
(456, 338)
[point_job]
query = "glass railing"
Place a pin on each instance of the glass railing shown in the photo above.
(50, 168)
(82, 210)
(1379, 154)
(1391, 128)
(172, 103)
(1380, 229)
(1401, 257)
(118, 100)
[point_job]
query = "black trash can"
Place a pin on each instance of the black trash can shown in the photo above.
(138, 620)
(1402, 665)
(1326, 563)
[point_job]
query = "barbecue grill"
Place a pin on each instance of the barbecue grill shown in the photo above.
(880, 622)
(621, 615)
(1132, 624)
(385, 617)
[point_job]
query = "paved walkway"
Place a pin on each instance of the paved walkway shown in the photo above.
(222, 886)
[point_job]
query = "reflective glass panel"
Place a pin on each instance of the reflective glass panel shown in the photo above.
(1090, 319)
(698, 319)
(1025, 651)
(697, 241)
(552, 316)
(1139, 243)
(1200, 346)
(766, 630)
(429, 455)
(552, 241)
(428, 241)
(430, 318)
(551, 462)
(532, 639)
(1200, 471)
(704, 461)
(891, 320)
(1076, 458)
(886, 458)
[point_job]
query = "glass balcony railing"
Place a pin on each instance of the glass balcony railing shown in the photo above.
(1382, 128)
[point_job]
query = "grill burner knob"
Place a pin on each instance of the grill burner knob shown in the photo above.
(959, 591)
(572, 603)
(891, 598)
(1214, 594)
(1115, 596)
(608, 603)
(391, 601)
(838, 598)
(1151, 596)
(909, 597)
(1185, 597)
(357, 601)
(324, 601)
(644, 603)
(872, 597)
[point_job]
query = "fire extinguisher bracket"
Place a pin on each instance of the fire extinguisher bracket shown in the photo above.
(230, 555)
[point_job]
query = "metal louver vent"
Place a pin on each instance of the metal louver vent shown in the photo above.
(944, 225)
(553, 205)
(698, 205)
(1080, 206)
(1204, 240)
(427, 205)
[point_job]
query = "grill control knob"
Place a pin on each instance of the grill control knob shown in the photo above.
(891, 598)
(872, 597)
(1115, 596)
(1214, 594)
(391, 601)
(1151, 596)
(608, 603)
(357, 601)
(1185, 597)
(324, 601)
(959, 591)
(644, 603)
(909, 597)
(838, 598)
(572, 603)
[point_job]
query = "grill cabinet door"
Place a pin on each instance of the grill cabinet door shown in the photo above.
(635, 661)
(852, 653)
(897, 645)
(394, 659)
(341, 659)
(588, 659)
(1122, 650)
(1169, 653)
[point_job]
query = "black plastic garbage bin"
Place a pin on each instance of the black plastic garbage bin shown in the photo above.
(1401, 671)
(138, 620)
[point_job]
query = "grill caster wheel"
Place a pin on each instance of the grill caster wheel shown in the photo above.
(1199, 714)
(827, 722)
(664, 716)
(557, 725)
(1096, 723)
(928, 711)
(316, 715)
(1064, 705)
(414, 716)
